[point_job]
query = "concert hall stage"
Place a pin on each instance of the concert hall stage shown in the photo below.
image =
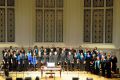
(65, 75)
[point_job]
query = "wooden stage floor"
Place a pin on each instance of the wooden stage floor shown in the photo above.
(66, 75)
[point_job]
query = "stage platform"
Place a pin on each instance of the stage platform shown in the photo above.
(66, 75)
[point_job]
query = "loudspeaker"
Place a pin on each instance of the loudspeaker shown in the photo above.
(37, 78)
(89, 79)
(19, 78)
(9, 78)
(28, 78)
(75, 78)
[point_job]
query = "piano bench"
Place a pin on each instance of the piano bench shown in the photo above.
(51, 75)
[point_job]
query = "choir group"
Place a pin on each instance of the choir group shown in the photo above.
(90, 60)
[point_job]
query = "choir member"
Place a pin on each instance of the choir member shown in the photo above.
(108, 66)
(59, 51)
(5, 61)
(36, 51)
(103, 64)
(80, 49)
(29, 54)
(97, 66)
(92, 63)
(51, 56)
(26, 63)
(114, 63)
(55, 57)
(77, 63)
(18, 61)
(87, 61)
(95, 50)
(75, 58)
(10, 60)
(14, 61)
(21, 61)
(98, 54)
(82, 60)
(34, 61)
(45, 58)
(78, 55)
(85, 54)
(70, 60)
(41, 53)
(47, 51)
(63, 56)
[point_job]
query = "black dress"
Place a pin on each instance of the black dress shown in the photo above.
(26, 63)
(103, 64)
(87, 65)
(114, 64)
(108, 68)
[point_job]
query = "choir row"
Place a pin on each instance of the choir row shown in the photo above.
(90, 60)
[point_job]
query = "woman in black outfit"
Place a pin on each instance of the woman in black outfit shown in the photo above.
(114, 63)
(108, 66)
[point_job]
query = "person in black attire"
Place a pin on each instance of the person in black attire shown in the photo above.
(103, 64)
(82, 60)
(5, 57)
(5, 62)
(87, 61)
(55, 57)
(5, 67)
(108, 66)
(92, 64)
(14, 61)
(74, 58)
(54, 49)
(70, 61)
(21, 61)
(95, 51)
(26, 63)
(66, 59)
(3, 53)
(45, 58)
(114, 63)
(63, 58)
(77, 64)
(10, 61)
(80, 49)
(48, 50)
(59, 51)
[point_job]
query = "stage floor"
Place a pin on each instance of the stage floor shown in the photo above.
(66, 75)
